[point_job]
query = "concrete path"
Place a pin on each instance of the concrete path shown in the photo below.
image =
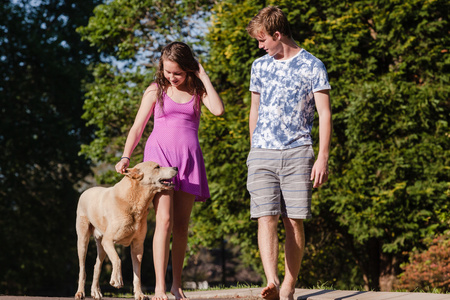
(306, 294)
(300, 294)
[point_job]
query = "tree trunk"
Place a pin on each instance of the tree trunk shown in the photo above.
(389, 270)
(373, 265)
(381, 269)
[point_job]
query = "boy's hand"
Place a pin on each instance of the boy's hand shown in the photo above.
(319, 172)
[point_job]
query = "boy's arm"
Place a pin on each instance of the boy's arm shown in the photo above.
(253, 118)
(319, 171)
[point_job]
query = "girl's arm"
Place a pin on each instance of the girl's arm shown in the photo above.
(211, 99)
(143, 115)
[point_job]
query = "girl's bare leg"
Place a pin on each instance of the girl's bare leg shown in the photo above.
(163, 205)
(183, 203)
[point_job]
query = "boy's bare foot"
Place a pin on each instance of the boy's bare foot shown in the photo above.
(178, 293)
(270, 292)
(287, 295)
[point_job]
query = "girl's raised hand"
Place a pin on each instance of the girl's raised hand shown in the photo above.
(201, 71)
(211, 99)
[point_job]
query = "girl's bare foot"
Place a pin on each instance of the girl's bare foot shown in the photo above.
(178, 293)
(270, 292)
(160, 296)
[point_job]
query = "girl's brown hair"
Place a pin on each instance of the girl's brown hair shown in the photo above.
(181, 54)
(269, 19)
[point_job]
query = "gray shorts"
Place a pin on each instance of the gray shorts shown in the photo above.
(279, 182)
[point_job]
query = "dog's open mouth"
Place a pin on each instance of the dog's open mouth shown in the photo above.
(166, 182)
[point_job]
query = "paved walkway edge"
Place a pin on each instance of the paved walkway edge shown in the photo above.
(300, 294)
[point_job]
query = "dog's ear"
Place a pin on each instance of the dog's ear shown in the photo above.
(134, 173)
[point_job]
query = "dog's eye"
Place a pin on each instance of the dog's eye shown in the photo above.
(157, 167)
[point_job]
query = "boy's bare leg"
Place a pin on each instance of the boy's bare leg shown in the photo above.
(294, 249)
(268, 248)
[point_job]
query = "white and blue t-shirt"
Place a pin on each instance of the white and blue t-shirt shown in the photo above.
(286, 108)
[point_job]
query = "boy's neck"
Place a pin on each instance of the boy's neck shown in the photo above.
(289, 49)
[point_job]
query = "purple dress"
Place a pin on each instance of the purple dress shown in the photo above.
(174, 143)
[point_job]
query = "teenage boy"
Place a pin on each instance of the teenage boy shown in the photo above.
(287, 85)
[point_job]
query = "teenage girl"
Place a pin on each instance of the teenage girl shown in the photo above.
(175, 100)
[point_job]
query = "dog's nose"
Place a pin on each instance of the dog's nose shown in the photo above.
(175, 168)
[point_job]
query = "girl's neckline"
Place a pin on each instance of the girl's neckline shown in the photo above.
(193, 96)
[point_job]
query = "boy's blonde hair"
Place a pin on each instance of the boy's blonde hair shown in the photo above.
(269, 19)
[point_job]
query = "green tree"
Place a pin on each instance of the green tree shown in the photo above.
(42, 65)
(390, 161)
(225, 141)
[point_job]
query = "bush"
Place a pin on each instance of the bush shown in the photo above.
(429, 269)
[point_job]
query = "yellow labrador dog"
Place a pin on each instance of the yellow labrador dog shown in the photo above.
(118, 214)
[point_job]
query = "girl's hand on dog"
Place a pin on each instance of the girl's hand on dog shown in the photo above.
(122, 165)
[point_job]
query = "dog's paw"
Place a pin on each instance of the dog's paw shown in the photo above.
(116, 282)
(96, 294)
(79, 295)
